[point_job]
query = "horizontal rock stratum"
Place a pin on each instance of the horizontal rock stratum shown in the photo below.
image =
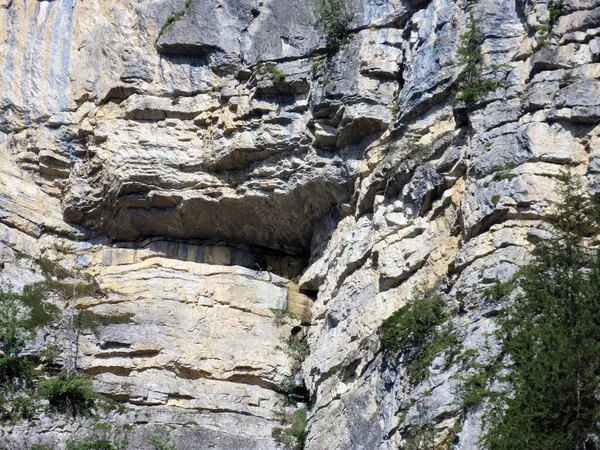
(237, 189)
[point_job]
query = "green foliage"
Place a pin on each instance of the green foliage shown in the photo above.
(49, 354)
(91, 444)
(552, 339)
(544, 36)
(278, 77)
(333, 18)
(499, 290)
(104, 436)
(412, 325)
(41, 313)
(472, 86)
(298, 350)
(172, 18)
(161, 439)
(89, 320)
(53, 269)
(421, 438)
(415, 330)
(288, 386)
(567, 79)
(16, 406)
(15, 369)
(63, 248)
(555, 8)
(40, 447)
(412, 147)
(294, 433)
(495, 199)
(69, 393)
(475, 389)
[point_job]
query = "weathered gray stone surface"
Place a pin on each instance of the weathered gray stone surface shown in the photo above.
(203, 191)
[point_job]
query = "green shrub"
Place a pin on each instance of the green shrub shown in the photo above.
(15, 369)
(16, 406)
(41, 313)
(333, 18)
(421, 438)
(69, 393)
(288, 386)
(555, 8)
(293, 436)
(414, 330)
(298, 350)
(567, 79)
(412, 324)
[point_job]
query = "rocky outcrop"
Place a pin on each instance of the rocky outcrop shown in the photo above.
(209, 166)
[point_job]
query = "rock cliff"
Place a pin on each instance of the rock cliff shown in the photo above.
(210, 165)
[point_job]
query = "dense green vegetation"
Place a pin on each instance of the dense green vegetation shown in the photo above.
(416, 331)
(552, 339)
(333, 18)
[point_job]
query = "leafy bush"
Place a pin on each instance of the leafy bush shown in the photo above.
(294, 435)
(333, 19)
(69, 393)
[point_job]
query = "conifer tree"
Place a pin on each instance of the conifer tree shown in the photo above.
(552, 339)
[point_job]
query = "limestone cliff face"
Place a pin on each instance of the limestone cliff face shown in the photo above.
(210, 172)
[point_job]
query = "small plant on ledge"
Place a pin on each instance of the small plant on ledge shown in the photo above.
(333, 18)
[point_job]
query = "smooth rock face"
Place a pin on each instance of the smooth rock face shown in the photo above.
(209, 173)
